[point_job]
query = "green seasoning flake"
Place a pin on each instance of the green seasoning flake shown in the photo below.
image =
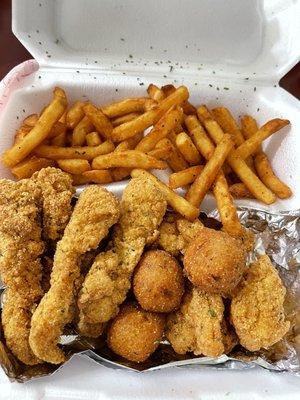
(212, 312)
(226, 88)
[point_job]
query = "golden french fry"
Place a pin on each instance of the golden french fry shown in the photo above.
(119, 174)
(155, 93)
(85, 152)
(93, 139)
(187, 107)
(58, 129)
(187, 149)
(127, 106)
(75, 114)
(253, 183)
(39, 132)
(27, 167)
(240, 191)
(79, 180)
(144, 121)
(134, 140)
(31, 120)
(99, 120)
(60, 140)
(161, 130)
(125, 118)
(161, 152)
(21, 133)
(200, 138)
(63, 118)
(185, 177)
(150, 104)
(128, 159)
(178, 203)
(80, 131)
(249, 126)
(74, 166)
(98, 176)
(226, 207)
(266, 174)
(122, 146)
(228, 124)
(251, 145)
(205, 179)
(175, 160)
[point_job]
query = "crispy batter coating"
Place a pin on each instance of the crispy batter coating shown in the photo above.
(215, 261)
(257, 311)
(135, 334)
(57, 191)
(95, 212)
(197, 326)
(108, 281)
(20, 266)
(158, 282)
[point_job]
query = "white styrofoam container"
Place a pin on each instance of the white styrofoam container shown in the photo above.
(229, 53)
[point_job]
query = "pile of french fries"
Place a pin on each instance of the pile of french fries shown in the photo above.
(205, 149)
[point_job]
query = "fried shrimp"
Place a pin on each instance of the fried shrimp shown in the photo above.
(95, 212)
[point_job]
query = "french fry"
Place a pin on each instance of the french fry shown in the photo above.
(39, 132)
(253, 183)
(205, 179)
(127, 159)
(75, 114)
(178, 203)
(155, 93)
(31, 120)
(228, 124)
(240, 191)
(125, 118)
(21, 133)
(175, 160)
(85, 152)
(199, 137)
(144, 121)
(98, 176)
(74, 166)
(58, 129)
(79, 180)
(187, 107)
(187, 149)
(93, 139)
(99, 120)
(251, 145)
(121, 173)
(134, 140)
(27, 167)
(127, 106)
(226, 207)
(185, 177)
(80, 131)
(150, 104)
(161, 130)
(122, 146)
(161, 153)
(63, 118)
(60, 140)
(249, 126)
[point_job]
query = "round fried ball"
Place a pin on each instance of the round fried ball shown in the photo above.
(158, 282)
(135, 333)
(215, 261)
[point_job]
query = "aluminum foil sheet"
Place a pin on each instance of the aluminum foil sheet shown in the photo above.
(277, 235)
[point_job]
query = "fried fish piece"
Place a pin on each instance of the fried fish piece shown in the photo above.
(257, 311)
(95, 212)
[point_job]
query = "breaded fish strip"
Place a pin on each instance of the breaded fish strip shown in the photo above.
(20, 266)
(108, 281)
(197, 326)
(95, 212)
(257, 311)
(57, 191)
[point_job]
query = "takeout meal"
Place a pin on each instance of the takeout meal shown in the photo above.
(146, 268)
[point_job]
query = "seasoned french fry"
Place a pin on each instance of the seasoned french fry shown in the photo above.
(249, 126)
(185, 177)
(161, 153)
(21, 133)
(125, 118)
(240, 191)
(74, 166)
(144, 121)
(99, 120)
(202, 142)
(226, 207)
(205, 179)
(121, 173)
(253, 183)
(80, 131)
(134, 140)
(178, 203)
(161, 130)
(85, 152)
(39, 132)
(122, 146)
(93, 139)
(31, 120)
(58, 128)
(251, 145)
(79, 180)
(150, 104)
(75, 114)
(60, 140)
(175, 160)
(128, 159)
(155, 93)
(127, 106)
(187, 107)
(228, 124)
(187, 149)
(98, 176)
(27, 167)
(63, 118)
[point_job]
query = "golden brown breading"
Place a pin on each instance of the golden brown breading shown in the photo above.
(257, 311)
(20, 266)
(106, 285)
(95, 212)
(57, 191)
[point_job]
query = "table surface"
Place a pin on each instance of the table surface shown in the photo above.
(13, 52)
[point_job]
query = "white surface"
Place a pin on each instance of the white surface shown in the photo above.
(237, 40)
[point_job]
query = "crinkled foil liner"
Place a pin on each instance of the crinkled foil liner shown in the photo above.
(278, 235)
